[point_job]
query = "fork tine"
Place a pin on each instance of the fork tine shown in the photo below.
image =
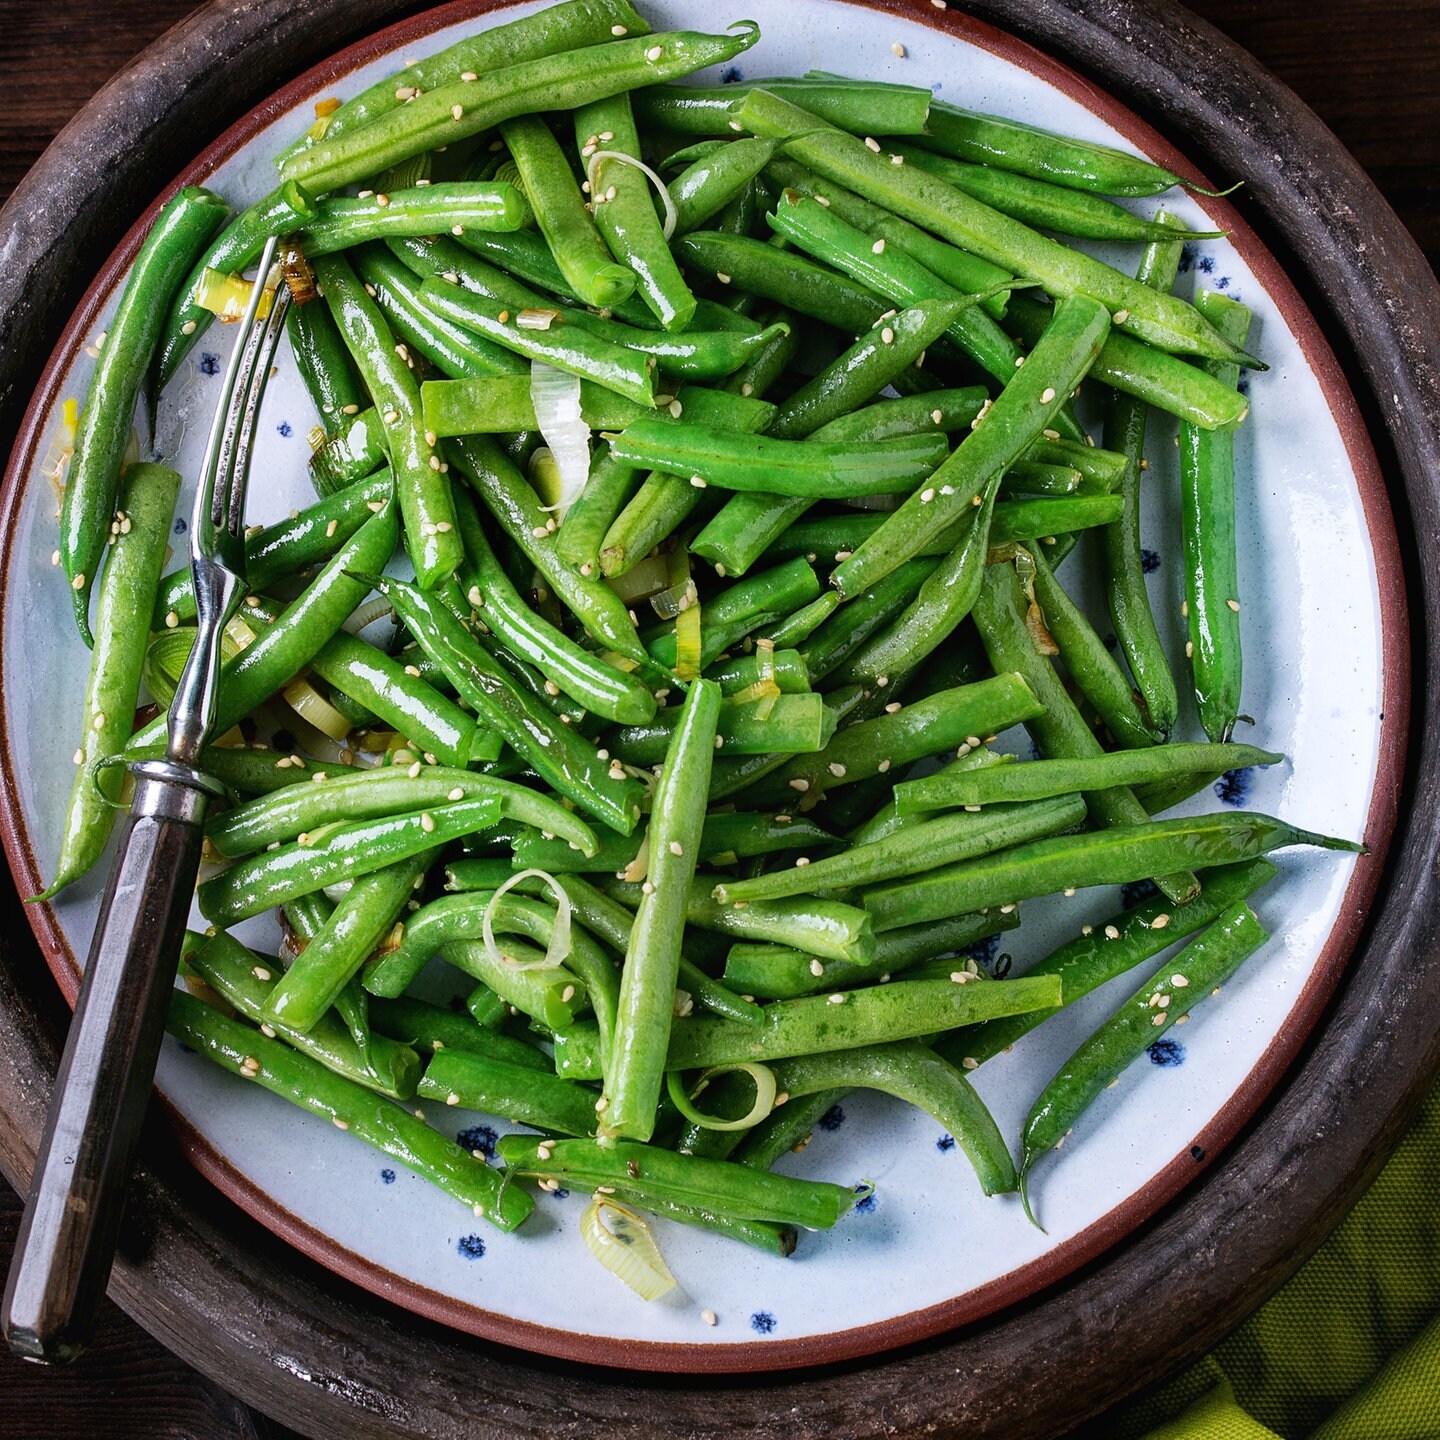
(233, 514)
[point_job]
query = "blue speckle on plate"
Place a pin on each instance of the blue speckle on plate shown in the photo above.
(1035, 751)
(1205, 264)
(472, 1247)
(832, 1119)
(1136, 892)
(1149, 561)
(865, 1205)
(1167, 1052)
(387, 1176)
(1187, 258)
(209, 363)
(1243, 383)
(731, 75)
(945, 1144)
(1223, 283)
(1234, 785)
(559, 1193)
(762, 1322)
(1110, 642)
(180, 526)
(284, 429)
(478, 1137)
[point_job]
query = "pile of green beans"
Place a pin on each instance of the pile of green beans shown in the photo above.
(696, 732)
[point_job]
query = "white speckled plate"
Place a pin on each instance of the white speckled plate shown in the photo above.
(1324, 632)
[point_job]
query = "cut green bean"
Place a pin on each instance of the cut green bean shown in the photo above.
(515, 1092)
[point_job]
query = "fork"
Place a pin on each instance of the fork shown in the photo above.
(68, 1236)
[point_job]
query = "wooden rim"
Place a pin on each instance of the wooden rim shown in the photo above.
(1091, 42)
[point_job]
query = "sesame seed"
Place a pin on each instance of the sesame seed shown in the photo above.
(1159, 922)
(1069, 892)
(709, 1317)
(698, 482)
(79, 756)
(872, 144)
(887, 336)
(427, 822)
(878, 248)
(1158, 1020)
(456, 111)
(898, 50)
(654, 52)
(1180, 982)
(618, 30)
(822, 200)
(1111, 933)
(816, 968)
(897, 159)
(1047, 394)
(382, 201)
(675, 408)
(1087, 929)
(349, 409)
(927, 494)
(939, 4)
(799, 784)
(539, 531)
(802, 861)
(1189, 649)
(723, 278)
(647, 888)
(460, 230)
(338, 1123)
(78, 583)
(1162, 1001)
(676, 848)
(1121, 316)
(1234, 605)
(836, 999)
(883, 766)
(1185, 609)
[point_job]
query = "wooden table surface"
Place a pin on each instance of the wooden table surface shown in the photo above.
(1370, 68)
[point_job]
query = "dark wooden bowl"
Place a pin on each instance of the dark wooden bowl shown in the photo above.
(301, 1343)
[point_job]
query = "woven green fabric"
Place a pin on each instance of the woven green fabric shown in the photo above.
(1348, 1350)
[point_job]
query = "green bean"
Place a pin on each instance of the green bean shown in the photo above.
(1022, 411)
(583, 527)
(1116, 856)
(1091, 666)
(1042, 204)
(1041, 778)
(892, 274)
(958, 268)
(786, 1129)
(913, 850)
(427, 210)
(909, 415)
(1101, 952)
(599, 687)
(786, 667)
(1043, 154)
(1034, 477)
(736, 611)
(627, 219)
(561, 213)
(801, 624)
(141, 533)
(1207, 508)
(252, 770)
(516, 507)
(773, 972)
(645, 1171)
(429, 1028)
(1199, 970)
(789, 280)
(243, 979)
(343, 853)
(455, 112)
(711, 182)
(184, 225)
(361, 920)
(326, 369)
(423, 492)
(635, 1065)
(811, 470)
(564, 759)
(286, 647)
(355, 450)
(233, 251)
(1126, 592)
(938, 722)
(369, 794)
(912, 1072)
(516, 1092)
(1135, 368)
(797, 723)
(1161, 320)
(866, 107)
(518, 981)
(454, 350)
(304, 918)
(387, 1126)
(851, 628)
(748, 525)
(497, 406)
(567, 347)
(876, 1015)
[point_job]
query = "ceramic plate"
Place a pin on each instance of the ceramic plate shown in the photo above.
(1324, 637)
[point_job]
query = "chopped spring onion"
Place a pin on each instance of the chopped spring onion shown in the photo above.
(671, 213)
(226, 296)
(559, 946)
(61, 448)
(556, 397)
(1040, 636)
(688, 653)
(376, 608)
(636, 871)
(621, 1241)
(313, 708)
(674, 598)
(639, 582)
(299, 278)
(762, 1075)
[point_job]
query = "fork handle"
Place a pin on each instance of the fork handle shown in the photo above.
(72, 1218)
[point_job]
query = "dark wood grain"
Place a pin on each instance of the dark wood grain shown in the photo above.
(1368, 68)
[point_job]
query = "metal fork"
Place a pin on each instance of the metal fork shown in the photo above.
(68, 1236)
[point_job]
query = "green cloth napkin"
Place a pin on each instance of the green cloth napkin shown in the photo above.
(1348, 1350)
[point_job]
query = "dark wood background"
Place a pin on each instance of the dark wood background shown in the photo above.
(1370, 68)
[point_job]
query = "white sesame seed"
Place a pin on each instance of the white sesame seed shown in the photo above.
(676, 848)
(618, 30)
(1158, 1020)
(800, 784)
(897, 159)
(872, 144)
(698, 482)
(836, 999)
(1121, 316)
(883, 766)
(802, 861)
(709, 1317)
(427, 822)
(887, 336)
(1159, 922)
(654, 52)
(1111, 933)
(1189, 649)
(878, 248)
(456, 111)
(1180, 982)
(1047, 395)
(1234, 605)
(723, 278)
(927, 494)
(898, 50)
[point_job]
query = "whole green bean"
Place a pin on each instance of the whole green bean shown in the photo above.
(1116, 856)
(517, 981)
(913, 850)
(326, 369)
(182, 228)
(516, 1092)
(429, 1028)
(423, 491)
(635, 1066)
(252, 770)
(1207, 530)
(853, 626)
(343, 222)
(912, 1072)
(343, 853)
(626, 219)
(499, 405)
(787, 1129)
(1199, 970)
(141, 534)
(387, 1126)
(815, 1024)
(234, 250)
(355, 450)
(710, 183)
(908, 415)
(866, 107)
(1161, 320)
(797, 723)
(1101, 952)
